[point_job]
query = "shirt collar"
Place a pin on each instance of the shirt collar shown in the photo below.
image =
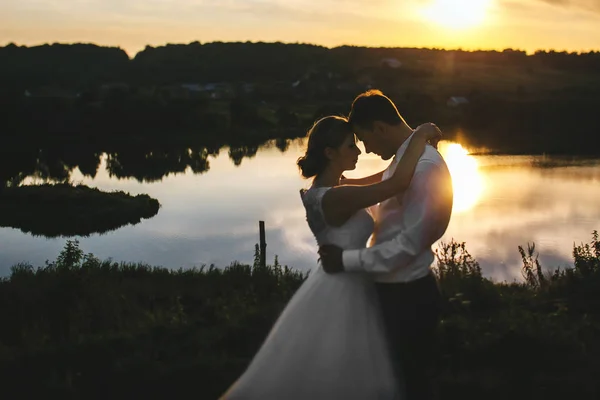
(404, 146)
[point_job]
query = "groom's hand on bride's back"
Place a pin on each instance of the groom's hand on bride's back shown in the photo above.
(331, 258)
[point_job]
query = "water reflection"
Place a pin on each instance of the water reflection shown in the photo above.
(211, 206)
(467, 182)
(143, 163)
(153, 165)
(237, 154)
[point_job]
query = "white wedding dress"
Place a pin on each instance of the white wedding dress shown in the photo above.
(329, 342)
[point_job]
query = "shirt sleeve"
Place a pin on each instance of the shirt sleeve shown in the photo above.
(427, 209)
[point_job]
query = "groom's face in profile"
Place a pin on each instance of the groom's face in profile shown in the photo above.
(374, 141)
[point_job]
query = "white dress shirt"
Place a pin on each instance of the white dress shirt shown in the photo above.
(405, 232)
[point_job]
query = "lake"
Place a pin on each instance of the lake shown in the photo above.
(211, 217)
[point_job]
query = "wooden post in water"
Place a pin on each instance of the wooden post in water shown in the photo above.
(263, 244)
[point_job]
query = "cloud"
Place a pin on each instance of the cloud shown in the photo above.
(193, 10)
(590, 5)
(133, 24)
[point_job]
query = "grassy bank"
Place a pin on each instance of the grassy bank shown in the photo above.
(80, 327)
(65, 210)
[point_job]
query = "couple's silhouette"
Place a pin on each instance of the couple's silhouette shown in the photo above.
(362, 325)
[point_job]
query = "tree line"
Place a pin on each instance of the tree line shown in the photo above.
(516, 103)
(81, 65)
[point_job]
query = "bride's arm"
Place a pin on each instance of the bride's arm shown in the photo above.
(368, 180)
(341, 202)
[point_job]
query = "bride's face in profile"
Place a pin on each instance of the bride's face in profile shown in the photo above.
(344, 157)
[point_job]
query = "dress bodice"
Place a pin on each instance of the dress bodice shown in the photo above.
(353, 234)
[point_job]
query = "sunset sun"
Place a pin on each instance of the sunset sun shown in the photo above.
(457, 14)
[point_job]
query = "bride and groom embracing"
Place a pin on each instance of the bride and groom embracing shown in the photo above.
(362, 325)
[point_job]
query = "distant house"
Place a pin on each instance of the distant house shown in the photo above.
(248, 87)
(221, 90)
(457, 101)
(198, 90)
(391, 62)
(192, 87)
(210, 87)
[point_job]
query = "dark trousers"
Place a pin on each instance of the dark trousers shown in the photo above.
(411, 313)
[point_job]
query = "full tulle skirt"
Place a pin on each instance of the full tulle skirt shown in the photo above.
(328, 343)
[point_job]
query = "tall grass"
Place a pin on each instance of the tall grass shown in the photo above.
(80, 327)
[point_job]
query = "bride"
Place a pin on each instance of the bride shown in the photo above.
(329, 342)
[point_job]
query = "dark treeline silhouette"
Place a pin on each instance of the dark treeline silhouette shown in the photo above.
(508, 101)
(78, 65)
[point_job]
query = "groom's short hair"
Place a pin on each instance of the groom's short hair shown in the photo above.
(372, 106)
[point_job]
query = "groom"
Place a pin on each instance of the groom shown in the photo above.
(406, 227)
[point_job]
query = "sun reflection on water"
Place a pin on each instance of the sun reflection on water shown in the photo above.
(467, 180)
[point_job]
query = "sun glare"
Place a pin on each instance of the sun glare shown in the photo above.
(457, 14)
(467, 181)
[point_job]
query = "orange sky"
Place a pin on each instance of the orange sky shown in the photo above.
(572, 25)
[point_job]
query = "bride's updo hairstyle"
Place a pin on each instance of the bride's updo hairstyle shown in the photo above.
(327, 132)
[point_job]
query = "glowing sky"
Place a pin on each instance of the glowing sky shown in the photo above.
(572, 25)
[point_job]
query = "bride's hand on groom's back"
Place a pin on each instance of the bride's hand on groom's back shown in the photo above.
(431, 132)
(331, 258)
